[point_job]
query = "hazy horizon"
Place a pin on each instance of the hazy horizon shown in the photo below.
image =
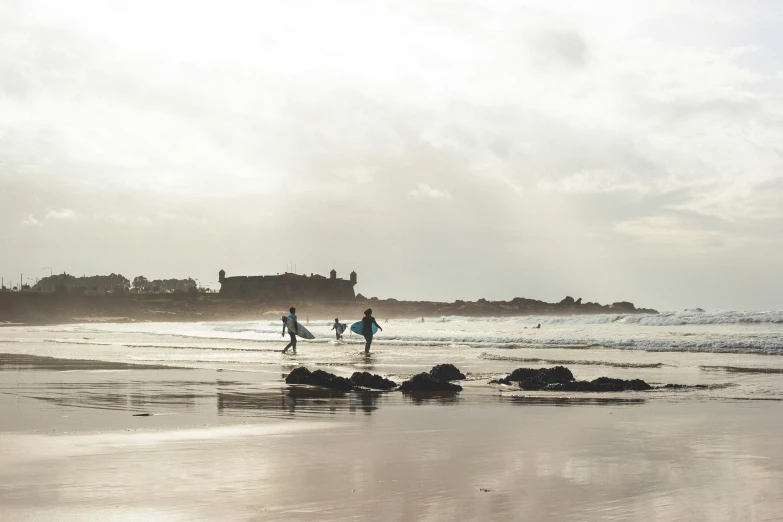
(605, 150)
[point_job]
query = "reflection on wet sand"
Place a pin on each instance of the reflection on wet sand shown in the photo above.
(99, 385)
(21, 362)
(572, 401)
(302, 400)
(165, 444)
(441, 397)
(112, 395)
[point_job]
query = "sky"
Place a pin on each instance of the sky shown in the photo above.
(609, 150)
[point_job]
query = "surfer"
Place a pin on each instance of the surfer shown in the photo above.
(337, 328)
(292, 333)
(367, 321)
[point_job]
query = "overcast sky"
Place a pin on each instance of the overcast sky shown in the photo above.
(609, 150)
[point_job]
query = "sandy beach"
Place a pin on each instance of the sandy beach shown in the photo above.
(123, 435)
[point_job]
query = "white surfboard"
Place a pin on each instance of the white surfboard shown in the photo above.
(301, 331)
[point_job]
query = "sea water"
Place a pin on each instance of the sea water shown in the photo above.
(735, 354)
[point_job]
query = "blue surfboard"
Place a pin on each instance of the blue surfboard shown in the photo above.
(358, 328)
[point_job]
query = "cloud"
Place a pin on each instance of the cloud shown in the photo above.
(597, 181)
(32, 221)
(598, 130)
(65, 214)
(423, 190)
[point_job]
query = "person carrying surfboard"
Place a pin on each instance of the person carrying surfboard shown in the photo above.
(367, 321)
(291, 332)
(338, 329)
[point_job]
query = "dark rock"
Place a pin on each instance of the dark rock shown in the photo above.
(521, 374)
(560, 378)
(340, 383)
(558, 374)
(368, 380)
(425, 382)
(321, 378)
(568, 301)
(601, 384)
(623, 385)
(532, 384)
(504, 380)
(446, 372)
(573, 386)
(578, 302)
(300, 375)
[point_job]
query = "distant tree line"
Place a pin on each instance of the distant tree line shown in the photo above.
(143, 285)
(66, 283)
(111, 284)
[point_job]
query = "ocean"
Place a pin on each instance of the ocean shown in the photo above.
(733, 355)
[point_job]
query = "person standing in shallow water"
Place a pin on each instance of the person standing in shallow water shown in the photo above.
(367, 321)
(291, 332)
(336, 329)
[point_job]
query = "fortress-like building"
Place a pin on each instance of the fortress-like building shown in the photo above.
(289, 286)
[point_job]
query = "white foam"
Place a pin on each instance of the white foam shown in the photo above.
(757, 332)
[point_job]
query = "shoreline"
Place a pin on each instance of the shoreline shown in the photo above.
(86, 441)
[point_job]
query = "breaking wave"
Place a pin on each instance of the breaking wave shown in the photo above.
(691, 316)
(741, 369)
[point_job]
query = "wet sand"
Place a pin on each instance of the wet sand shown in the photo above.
(100, 441)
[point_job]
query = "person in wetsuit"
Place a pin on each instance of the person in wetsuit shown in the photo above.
(335, 327)
(367, 321)
(291, 332)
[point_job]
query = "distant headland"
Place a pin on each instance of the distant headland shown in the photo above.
(65, 299)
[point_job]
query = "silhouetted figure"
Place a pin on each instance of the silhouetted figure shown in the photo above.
(291, 332)
(336, 328)
(539, 325)
(367, 321)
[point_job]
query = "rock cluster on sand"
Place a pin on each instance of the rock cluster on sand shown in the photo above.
(556, 375)
(302, 375)
(426, 382)
(436, 380)
(560, 378)
(368, 380)
(446, 372)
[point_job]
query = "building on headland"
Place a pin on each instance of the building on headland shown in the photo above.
(289, 286)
